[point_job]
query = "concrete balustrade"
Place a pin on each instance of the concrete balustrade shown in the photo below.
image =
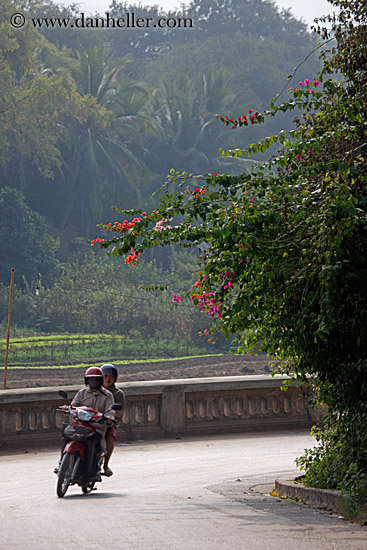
(164, 408)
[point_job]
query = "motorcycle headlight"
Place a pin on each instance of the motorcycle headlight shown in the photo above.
(85, 416)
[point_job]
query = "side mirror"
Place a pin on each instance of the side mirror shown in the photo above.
(116, 407)
(63, 394)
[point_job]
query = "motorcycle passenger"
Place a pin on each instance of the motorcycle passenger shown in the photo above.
(100, 399)
(110, 375)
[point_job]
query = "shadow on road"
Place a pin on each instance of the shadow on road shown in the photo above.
(95, 495)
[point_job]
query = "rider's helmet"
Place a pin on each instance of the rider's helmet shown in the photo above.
(109, 369)
(93, 377)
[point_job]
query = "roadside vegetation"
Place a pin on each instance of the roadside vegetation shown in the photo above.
(283, 262)
(94, 310)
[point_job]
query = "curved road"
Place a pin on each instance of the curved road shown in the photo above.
(175, 494)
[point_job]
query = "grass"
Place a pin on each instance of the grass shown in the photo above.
(42, 341)
(72, 350)
(90, 348)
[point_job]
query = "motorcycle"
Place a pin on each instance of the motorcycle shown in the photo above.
(78, 453)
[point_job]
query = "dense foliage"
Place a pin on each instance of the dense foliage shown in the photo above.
(26, 240)
(92, 296)
(283, 260)
(96, 117)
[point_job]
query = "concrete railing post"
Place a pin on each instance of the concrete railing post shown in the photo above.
(173, 410)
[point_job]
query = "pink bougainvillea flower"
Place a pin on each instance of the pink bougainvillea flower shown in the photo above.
(316, 83)
(307, 82)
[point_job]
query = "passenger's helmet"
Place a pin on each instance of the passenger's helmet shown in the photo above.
(93, 377)
(109, 369)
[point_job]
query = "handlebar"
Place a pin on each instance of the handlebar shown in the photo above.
(65, 411)
(98, 421)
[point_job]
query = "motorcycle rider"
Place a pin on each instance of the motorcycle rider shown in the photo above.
(100, 399)
(110, 375)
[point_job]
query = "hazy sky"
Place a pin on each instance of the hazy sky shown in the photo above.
(306, 9)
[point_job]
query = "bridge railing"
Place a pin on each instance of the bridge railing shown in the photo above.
(165, 408)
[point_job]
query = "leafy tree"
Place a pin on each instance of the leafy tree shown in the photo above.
(70, 127)
(25, 241)
(65, 38)
(257, 45)
(243, 36)
(38, 109)
(29, 102)
(226, 17)
(284, 254)
(145, 47)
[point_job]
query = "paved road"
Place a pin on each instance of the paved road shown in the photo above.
(189, 494)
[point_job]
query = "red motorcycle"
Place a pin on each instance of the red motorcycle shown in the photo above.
(79, 451)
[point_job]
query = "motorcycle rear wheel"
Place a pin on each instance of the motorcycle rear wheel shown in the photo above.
(65, 472)
(90, 486)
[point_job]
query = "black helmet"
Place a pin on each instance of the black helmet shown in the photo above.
(109, 369)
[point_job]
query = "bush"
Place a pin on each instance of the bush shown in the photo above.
(339, 461)
(25, 241)
(99, 296)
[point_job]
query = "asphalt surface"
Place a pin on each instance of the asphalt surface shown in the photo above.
(173, 494)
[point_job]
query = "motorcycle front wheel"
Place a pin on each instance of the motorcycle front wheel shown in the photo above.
(88, 488)
(65, 472)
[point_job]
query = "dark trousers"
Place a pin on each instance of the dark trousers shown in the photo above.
(92, 447)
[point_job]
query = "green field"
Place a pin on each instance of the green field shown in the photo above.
(79, 350)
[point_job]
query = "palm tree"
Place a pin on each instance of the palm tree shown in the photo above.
(101, 165)
(189, 134)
